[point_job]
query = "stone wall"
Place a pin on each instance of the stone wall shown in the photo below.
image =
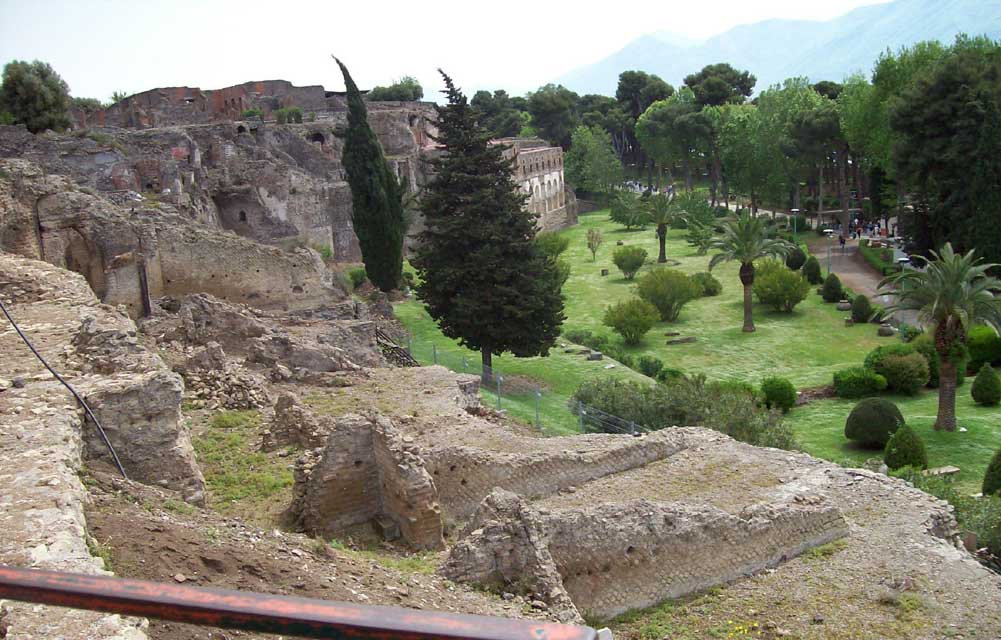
(466, 475)
(368, 473)
(612, 558)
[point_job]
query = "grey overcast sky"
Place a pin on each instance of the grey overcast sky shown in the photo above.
(100, 46)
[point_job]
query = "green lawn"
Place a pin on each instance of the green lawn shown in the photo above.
(806, 346)
(820, 427)
(558, 374)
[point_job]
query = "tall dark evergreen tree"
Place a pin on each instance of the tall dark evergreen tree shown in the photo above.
(376, 195)
(483, 279)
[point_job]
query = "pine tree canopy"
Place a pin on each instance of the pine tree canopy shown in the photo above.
(483, 279)
(376, 195)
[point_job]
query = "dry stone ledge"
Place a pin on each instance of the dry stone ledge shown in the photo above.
(612, 558)
(42, 523)
(295, 425)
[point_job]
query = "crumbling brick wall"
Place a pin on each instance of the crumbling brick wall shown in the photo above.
(612, 558)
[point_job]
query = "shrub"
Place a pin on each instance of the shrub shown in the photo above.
(631, 319)
(668, 375)
(251, 113)
(552, 244)
(811, 270)
(650, 366)
(992, 477)
(358, 276)
(873, 421)
(409, 280)
(668, 290)
(986, 387)
(909, 333)
(858, 382)
(861, 309)
(984, 346)
(710, 285)
(778, 287)
(894, 349)
(617, 352)
(832, 290)
(905, 449)
(778, 393)
(629, 260)
(904, 374)
(796, 259)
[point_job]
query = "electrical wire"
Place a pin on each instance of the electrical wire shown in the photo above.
(100, 429)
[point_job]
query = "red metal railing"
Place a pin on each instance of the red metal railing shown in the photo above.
(250, 611)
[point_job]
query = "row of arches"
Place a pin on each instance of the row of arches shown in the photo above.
(546, 196)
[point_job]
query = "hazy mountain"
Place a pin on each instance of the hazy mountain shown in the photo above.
(774, 50)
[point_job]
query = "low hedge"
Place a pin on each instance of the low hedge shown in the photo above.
(858, 382)
(877, 258)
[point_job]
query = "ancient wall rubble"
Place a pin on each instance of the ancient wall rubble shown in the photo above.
(130, 255)
(368, 473)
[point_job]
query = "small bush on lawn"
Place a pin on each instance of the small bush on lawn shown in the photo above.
(778, 287)
(552, 244)
(669, 375)
(811, 270)
(631, 319)
(894, 349)
(904, 374)
(858, 382)
(984, 346)
(861, 309)
(576, 335)
(992, 478)
(710, 285)
(650, 366)
(597, 342)
(986, 387)
(796, 259)
(909, 333)
(629, 260)
(832, 290)
(617, 352)
(905, 449)
(779, 393)
(925, 345)
(358, 276)
(873, 421)
(668, 290)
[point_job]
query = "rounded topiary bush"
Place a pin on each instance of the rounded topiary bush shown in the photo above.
(873, 421)
(858, 382)
(779, 393)
(986, 388)
(710, 285)
(992, 479)
(905, 449)
(861, 309)
(629, 260)
(832, 291)
(796, 258)
(778, 287)
(904, 373)
(984, 347)
(811, 270)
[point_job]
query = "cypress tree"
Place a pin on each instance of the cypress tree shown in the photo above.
(376, 195)
(483, 278)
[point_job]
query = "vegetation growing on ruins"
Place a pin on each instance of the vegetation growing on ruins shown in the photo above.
(34, 95)
(406, 89)
(482, 276)
(376, 195)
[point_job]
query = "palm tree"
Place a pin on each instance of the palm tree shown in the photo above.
(952, 293)
(745, 240)
(663, 212)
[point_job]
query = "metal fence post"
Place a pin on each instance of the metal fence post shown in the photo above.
(498, 378)
(580, 415)
(434, 352)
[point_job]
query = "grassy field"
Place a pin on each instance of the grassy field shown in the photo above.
(820, 429)
(806, 346)
(558, 374)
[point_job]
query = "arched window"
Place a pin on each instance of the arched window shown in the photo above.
(243, 216)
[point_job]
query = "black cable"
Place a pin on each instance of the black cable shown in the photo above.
(100, 429)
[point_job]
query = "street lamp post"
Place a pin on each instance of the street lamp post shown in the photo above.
(830, 241)
(795, 214)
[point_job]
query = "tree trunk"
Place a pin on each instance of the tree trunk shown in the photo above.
(662, 239)
(488, 368)
(688, 173)
(820, 191)
(747, 279)
(946, 419)
(846, 215)
(717, 176)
